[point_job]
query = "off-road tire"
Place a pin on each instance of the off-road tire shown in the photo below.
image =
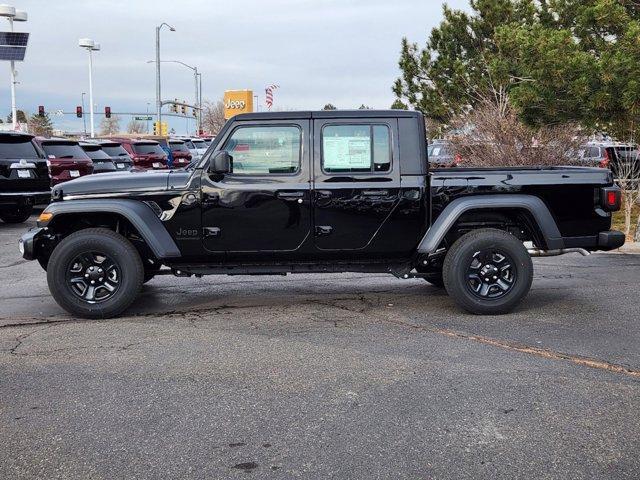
(19, 215)
(459, 260)
(121, 252)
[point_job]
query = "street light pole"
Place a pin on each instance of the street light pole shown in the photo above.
(91, 46)
(200, 103)
(93, 133)
(158, 86)
(11, 14)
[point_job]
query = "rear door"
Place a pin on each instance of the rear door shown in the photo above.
(264, 204)
(356, 180)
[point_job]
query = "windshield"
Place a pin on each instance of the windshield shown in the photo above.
(115, 150)
(178, 147)
(17, 147)
(96, 153)
(148, 149)
(63, 150)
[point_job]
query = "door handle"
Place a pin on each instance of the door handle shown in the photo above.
(290, 195)
(323, 194)
(375, 193)
(322, 230)
(211, 232)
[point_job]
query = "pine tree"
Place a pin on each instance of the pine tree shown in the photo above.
(40, 125)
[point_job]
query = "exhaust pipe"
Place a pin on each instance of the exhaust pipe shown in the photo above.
(555, 253)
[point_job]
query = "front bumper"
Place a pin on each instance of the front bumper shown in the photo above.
(28, 243)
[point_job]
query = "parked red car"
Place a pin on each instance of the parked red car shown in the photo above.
(180, 152)
(65, 158)
(146, 154)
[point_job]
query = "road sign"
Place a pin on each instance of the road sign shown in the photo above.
(143, 118)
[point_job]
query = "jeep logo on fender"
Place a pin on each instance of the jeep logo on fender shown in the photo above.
(187, 233)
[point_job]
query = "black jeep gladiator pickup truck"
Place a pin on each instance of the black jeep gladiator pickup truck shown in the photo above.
(334, 191)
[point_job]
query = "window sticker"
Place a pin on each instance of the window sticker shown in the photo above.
(347, 152)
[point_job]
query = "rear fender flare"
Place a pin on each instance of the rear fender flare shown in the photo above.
(141, 216)
(452, 212)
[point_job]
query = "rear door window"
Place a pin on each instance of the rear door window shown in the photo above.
(356, 148)
(17, 148)
(179, 147)
(115, 150)
(64, 150)
(148, 149)
(96, 153)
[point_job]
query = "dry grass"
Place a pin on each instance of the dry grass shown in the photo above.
(618, 220)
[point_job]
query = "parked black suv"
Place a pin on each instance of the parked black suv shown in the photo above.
(330, 191)
(24, 177)
(102, 163)
(119, 156)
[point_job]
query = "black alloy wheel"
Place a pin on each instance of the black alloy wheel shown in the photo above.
(94, 277)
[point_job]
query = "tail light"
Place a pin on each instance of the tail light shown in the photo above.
(457, 160)
(604, 163)
(611, 199)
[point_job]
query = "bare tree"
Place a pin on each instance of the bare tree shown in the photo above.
(110, 126)
(136, 126)
(213, 116)
(627, 172)
(493, 135)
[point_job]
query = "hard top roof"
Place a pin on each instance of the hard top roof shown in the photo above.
(328, 114)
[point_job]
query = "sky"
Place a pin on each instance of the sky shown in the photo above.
(343, 52)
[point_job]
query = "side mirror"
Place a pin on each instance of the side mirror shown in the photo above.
(221, 163)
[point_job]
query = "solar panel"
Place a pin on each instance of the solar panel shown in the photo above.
(13, 45)
(12, 53)
(14, 39)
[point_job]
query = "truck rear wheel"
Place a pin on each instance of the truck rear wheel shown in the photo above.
(488, 272)
(18, 215)
(95, 273)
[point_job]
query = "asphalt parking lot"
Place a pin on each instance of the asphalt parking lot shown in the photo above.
(328, 376)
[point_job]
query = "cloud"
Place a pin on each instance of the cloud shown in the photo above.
(339, 51)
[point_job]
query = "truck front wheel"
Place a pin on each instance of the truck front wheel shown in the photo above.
(95, 273)
(488, 272)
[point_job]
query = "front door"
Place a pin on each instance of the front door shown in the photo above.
(357, 181)
(264, 204)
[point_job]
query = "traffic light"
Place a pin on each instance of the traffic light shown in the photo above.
(183, 109)
(195, 113)
(107, 112)
(160, 128)
(79, 112)
(41, 110)
(174, 107)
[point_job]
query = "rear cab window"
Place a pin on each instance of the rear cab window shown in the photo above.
(356, 148)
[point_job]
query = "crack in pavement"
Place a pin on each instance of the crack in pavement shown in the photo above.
(522, 348)
(365, 302)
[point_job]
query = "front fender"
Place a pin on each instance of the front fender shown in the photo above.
(452, 212)
(140, 215)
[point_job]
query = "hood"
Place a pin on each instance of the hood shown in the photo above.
(128, 182)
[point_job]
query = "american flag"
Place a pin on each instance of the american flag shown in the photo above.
(269, 95)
